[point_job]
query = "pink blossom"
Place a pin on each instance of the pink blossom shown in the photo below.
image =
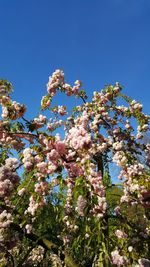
(42, 167)
(120, 234)
(28, 228)
(22, 191)
(117, 259)
(81, 204)
(60, 147)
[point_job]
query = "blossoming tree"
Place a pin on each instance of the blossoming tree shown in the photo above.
(60, 204)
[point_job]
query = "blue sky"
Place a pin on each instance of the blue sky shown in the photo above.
(97, 41)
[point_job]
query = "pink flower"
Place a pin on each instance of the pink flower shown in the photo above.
(120, 234)
(81, 204)
(60, 147)
(21, 192)
(28, 227)
(53, 155)
(117, 259)
(42, 167)
(78, 138)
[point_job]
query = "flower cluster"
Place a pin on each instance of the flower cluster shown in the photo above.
(120, 234)
(5, 219)
(34, 205)
(61, 110)
(98, 191)
(74, 90)
(118, 260)
(36, 256)
(8, 177)
(81, 205)
(56, 80)
(28, 158)
(12, 110)
(78, 138)
(8, 139)
(39, 122)
(52, 125)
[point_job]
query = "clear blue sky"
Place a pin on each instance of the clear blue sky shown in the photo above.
(96, 41)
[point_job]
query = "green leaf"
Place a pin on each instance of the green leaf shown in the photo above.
(48, 243)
